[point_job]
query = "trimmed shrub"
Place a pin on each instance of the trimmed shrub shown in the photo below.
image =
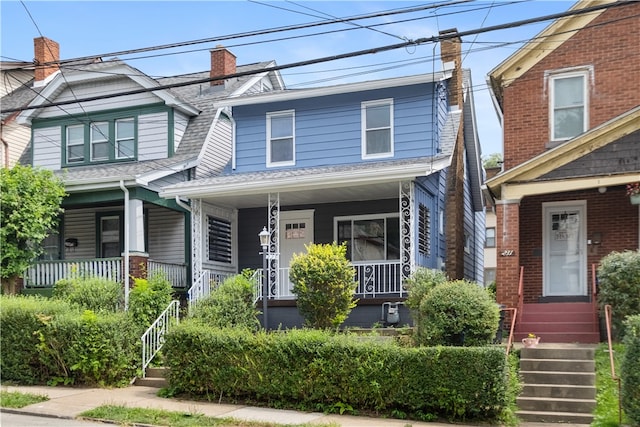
(338, 373)
(149, 298)
(458, 313)
(418, 285)
(230, 305)
(619, 286)
(91, 293)
(323, 281)
(630, 370)
(50, 341)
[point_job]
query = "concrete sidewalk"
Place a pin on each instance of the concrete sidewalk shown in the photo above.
(66, 402)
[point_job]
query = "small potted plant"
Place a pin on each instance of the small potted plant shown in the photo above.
(530, 341)
(633, 191)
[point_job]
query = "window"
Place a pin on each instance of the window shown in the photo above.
(100, 141)
(75, 144)
(568, 105)
(377, 129)
(370, 238)
(424, 230)
(125, 138)
(219, 240)
(489, 276)
(490, 237)
(110, 236)
(280, 138)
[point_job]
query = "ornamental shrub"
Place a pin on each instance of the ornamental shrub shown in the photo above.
(418, 285)
(323, 281)
(619, 286)
(230, 305)
(149, 298)
(630, 370)
(91, 293)
(458, 313)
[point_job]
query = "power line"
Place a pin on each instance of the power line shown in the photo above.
(432, 39)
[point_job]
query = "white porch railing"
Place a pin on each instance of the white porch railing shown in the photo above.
(153, 338)
(173, 272)
(204, 284)
(374, 279)
(47, 273)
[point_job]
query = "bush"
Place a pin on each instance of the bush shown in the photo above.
(337, 373)
(458, 313)
(91, 293)
(323, 281)
(149, 298)
(630, 370)
(619, 285)
(50, 341)
(418, 285)
(229, 305)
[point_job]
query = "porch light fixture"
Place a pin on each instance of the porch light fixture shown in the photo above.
(264, 242)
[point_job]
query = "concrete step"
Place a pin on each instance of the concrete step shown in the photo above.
(555, 417)
(555, 377)
(152, 382)
(545, 404)
(566, 352)
(563, 365)
(157, 372)
(552, 391)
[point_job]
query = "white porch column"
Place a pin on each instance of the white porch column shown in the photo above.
(136, 226)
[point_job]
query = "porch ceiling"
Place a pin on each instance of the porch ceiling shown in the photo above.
(347, 193)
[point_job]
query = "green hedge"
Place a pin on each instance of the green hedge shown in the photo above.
(630, 370)
(331, 372)
(48, 341)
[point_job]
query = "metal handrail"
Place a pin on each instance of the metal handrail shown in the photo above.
(521, 293)
(594, 293)
(607, 316)
(153, 338)
(512, 328)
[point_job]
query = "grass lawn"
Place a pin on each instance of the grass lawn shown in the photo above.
(606, 413)
(128, 416)
(15, 399)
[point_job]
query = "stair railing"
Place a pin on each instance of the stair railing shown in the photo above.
(512, 328)
(594, 293)
(607, 316)
(520, 293)
(153, 338)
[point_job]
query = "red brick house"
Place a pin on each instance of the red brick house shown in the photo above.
(570, 110)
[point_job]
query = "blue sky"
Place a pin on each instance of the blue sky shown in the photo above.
(85, 28)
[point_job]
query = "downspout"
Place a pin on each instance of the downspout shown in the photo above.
(126, 245)
(182, 204)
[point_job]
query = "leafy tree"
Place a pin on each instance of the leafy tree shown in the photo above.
(323, 280)
(29, 209)
(493, 160)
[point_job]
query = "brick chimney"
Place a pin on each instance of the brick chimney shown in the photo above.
(45, 51)
(223, 63)
(451, 55)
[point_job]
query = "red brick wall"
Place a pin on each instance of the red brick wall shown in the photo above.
(223, 63)
(606, 214)
(613, 51)
(508, 266)
(45, 50)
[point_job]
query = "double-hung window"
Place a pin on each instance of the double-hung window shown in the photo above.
(100, 141)
(281, 138)
(75, 144)
(125, 138)
(569, 105)
(377, 128)
(370, 237)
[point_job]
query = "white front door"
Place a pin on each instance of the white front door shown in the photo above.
(296, 231)
(564, 248)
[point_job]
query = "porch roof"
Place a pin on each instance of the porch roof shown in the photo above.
(353, 182)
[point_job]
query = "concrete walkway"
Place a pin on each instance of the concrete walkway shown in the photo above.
(66, 402)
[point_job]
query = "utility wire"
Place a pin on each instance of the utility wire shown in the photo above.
(432, 39)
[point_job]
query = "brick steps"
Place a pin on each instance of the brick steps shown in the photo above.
(559, 384)
(559, 323)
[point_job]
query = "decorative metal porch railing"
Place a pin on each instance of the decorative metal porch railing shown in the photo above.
(47, 273)
(153, 338)
(204, 284)
(173, 272)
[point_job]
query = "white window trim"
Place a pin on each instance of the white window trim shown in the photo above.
(584, 73)
(226, 214)
(337, 219)
(291, 162)
(363, 131)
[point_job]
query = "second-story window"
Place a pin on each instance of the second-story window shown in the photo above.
(100, 141)
(490, 237)
(377, 128)
(281, 138)
(569, 105)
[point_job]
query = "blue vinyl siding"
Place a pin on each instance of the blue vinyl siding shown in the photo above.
(328, 129)
(430, 190)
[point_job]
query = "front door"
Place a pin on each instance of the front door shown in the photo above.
(564, 248)
(296, 231)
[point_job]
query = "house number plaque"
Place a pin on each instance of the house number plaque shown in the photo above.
(508, 252)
